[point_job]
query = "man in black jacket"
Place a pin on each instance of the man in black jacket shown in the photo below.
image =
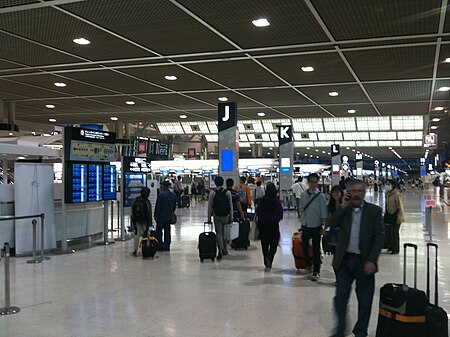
(361, 238)
(164, 208)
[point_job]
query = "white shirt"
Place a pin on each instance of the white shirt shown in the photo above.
(298, 188)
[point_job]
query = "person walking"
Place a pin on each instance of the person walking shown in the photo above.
(361, 238)
(258, 193)
(238, 214)
(178, 189)
(269, 213)
(164, 210)
(141, 216)
(336, 199)
(244, 194)
(393, 216)
(298, 188)
(313, 214)
(220, 207)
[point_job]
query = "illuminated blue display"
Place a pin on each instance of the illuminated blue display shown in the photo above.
(109, 182)
(226, 160)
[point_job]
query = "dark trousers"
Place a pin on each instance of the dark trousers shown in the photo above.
(270, 236)
(178, 195)
(393, 237)
(307, 234)
(352, 269)
(160, 227)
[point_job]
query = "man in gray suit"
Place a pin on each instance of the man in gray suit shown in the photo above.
(361, 239)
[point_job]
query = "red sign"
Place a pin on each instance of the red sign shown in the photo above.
(142, 148)
(430, 203)
(191, 153)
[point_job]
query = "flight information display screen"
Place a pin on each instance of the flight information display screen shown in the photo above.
(109, 182)
(95, 182)
(79, 182)
(158, 150)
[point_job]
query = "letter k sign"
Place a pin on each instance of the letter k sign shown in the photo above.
(283, 132)
(227, 114)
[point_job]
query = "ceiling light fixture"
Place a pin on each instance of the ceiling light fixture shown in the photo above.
(351, 111)
(130, 102)
(11, 134)
(261, 22)
(60, 84)
(82, 41)
(261, 114)
(52, 120)
(436, 119)
(114, 118)
(170, 77)
(50, 106)
(223, 99)
(183, 116)
(307, 69)
(444, 89)
(434, 127)
(438, 108)
(333, 94)
(447, 60)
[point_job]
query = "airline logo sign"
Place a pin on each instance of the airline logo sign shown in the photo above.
(227, 115)
(285, 134)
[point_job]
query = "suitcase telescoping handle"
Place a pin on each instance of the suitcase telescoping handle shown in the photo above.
(406, 245)
(432, 244)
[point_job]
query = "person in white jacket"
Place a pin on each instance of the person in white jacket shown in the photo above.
(298, 188)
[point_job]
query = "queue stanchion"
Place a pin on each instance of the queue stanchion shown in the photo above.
(43, 257)
(34, 260)
(8, 309)
(112, 219)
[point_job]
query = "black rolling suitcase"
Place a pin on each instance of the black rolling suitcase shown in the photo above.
(185, 201)
(207, 245)
(436, 317)
(149, 244)
(402, 309)
(242, 241)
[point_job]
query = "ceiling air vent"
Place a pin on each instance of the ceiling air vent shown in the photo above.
(248, 126)
(258, 136)
(195, 128)
(305, 135)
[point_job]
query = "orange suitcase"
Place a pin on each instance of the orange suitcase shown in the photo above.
(298, 252)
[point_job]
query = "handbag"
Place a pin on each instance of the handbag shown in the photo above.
(390, 219)
(174, 219)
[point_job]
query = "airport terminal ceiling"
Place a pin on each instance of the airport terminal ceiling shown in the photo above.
(156, 62)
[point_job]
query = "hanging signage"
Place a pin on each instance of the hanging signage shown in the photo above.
(136, 165)
(227, 115)
(191, 153)
(285, 134)
(430, 141)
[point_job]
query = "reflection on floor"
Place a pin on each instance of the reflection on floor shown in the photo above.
(104, 291)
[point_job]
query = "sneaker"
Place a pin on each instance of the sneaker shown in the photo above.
(267, 269)
(134, 253)
(225, 252)
(219, 257)
(315, 277)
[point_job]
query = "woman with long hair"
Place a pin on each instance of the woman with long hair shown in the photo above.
(336, 196)
(393, 216)
(269, 213)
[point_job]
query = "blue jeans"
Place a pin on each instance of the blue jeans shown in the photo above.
(352, 269)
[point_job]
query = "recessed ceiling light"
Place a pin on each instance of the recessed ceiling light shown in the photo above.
(447, 60)
(270, 148)
(183, 116)
(50, 106)
(323, 152)
(261, 114)
(308, 148)
(353, 150)
(114, 118)
(434, 127)
(436, 119)
(52, 120)
(81, 41)
(298, 153)
(347, 148)
(60, 84)
(390, 148)
(249, 150)
(170, 77)
(223, 99)
(317, 150)
(333, 93)
(438, 108)
(307, 69)
(130, 102)
(317, 157)
(444, 89)
(152, 126)
(306, 155)
(351, 111)
(329, 153)
(11, 134)
(261, 23)
(311, 155)
(268, 153)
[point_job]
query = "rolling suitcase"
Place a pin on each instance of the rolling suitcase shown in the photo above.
(149, 244)
(242, 241)
(297, 251)
(185, 201)
(207, 245)
(436, 317)
(402, 309)
(231, 231)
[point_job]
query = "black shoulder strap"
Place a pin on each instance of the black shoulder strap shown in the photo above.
(310, 201)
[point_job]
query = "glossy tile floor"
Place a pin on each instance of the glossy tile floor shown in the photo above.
(104, 291)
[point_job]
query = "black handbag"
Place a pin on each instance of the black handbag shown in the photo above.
(390, 219)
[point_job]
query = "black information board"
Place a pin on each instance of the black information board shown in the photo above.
(76, 183)
(158, 150)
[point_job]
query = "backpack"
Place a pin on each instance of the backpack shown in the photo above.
(221, 204)
(242, 195)
(140, 211)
